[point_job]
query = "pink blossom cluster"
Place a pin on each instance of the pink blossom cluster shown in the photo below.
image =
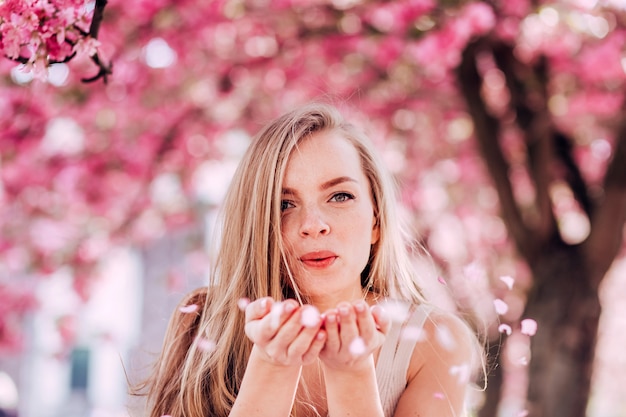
(40, 32)
(15, 302)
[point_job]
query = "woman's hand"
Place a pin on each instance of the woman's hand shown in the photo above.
(353, 333)
(284, 333)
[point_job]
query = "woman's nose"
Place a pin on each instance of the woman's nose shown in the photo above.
(313, 224)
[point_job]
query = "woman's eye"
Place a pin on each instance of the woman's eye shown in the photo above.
(285, 204)
(342, 197)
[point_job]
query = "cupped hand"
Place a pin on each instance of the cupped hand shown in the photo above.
(284, 333)
(353, 332)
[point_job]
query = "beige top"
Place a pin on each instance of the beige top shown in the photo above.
(395, 355)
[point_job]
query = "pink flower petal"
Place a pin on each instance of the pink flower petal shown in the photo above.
(416, 333)
(442, 281)
(445, 338)
(242, 303)
(204, 344)
(529, 327)
(357, 347)
(501, 306)
(462, 372)
(508, 281)
(188, 309)
(505, 328)
(310, 317)
(439, 395)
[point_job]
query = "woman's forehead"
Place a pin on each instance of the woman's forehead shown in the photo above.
(323, 157)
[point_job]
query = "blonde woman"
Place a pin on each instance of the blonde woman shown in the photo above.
(312, 308)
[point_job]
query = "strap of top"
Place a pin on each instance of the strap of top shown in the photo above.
(395, 356)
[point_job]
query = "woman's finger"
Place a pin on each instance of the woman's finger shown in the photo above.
(315, 347)
(257, 309)
(348, 330)
(331, 327)
(381, 318)
(364, 320)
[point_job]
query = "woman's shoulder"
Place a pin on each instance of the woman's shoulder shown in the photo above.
(447, 344)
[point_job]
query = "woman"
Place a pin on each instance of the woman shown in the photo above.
(336, 325)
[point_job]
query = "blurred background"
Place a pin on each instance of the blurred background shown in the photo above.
(121, 124)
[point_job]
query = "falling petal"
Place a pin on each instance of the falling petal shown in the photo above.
(445, 338)
(462, 372)
(505, 328)
(529, 327)
(188, 309)
(501, 306)
(242, 303)
(442, 281)
(310, 317)
(416, 333)
(439, 395)
(396, 310)
(508, 281)
(205, 345)
(357, 347)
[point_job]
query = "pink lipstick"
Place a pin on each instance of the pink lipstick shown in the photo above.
(318, 259)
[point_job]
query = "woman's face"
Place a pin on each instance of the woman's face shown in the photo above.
(328, 223)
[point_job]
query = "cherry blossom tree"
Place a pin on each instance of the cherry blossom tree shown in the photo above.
(503, 121)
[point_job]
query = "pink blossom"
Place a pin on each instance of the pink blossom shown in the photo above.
(529, 327)
(191, 308)
(508, 281)
(242, 303)
(357, 346)
(480, 17)
(505, 328)
(501, 306)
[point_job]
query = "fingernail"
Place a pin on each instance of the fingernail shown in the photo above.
(344, 311)
(360, 306)
(289, 306)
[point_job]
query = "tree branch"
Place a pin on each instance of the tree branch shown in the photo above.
(487, 131)
(563, 148)
(104, 70)
(527, 88)
(607, 225)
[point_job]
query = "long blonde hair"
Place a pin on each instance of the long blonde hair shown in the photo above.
(191, 380)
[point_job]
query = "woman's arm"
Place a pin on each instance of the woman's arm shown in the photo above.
(441, 369)
(283, 343)
(354, 333)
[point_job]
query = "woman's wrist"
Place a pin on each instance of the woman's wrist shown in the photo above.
(360, 368)
(260, 358)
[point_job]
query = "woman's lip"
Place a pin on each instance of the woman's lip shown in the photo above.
(317, 255)
(319, 259)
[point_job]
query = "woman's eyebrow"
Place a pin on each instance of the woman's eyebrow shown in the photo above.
(337, 181)
(326, 185)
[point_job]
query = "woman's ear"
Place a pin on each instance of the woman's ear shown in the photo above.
(375, 231)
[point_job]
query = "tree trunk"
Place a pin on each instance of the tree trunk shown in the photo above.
(494, 381)
(563, 299)
(567, 310)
